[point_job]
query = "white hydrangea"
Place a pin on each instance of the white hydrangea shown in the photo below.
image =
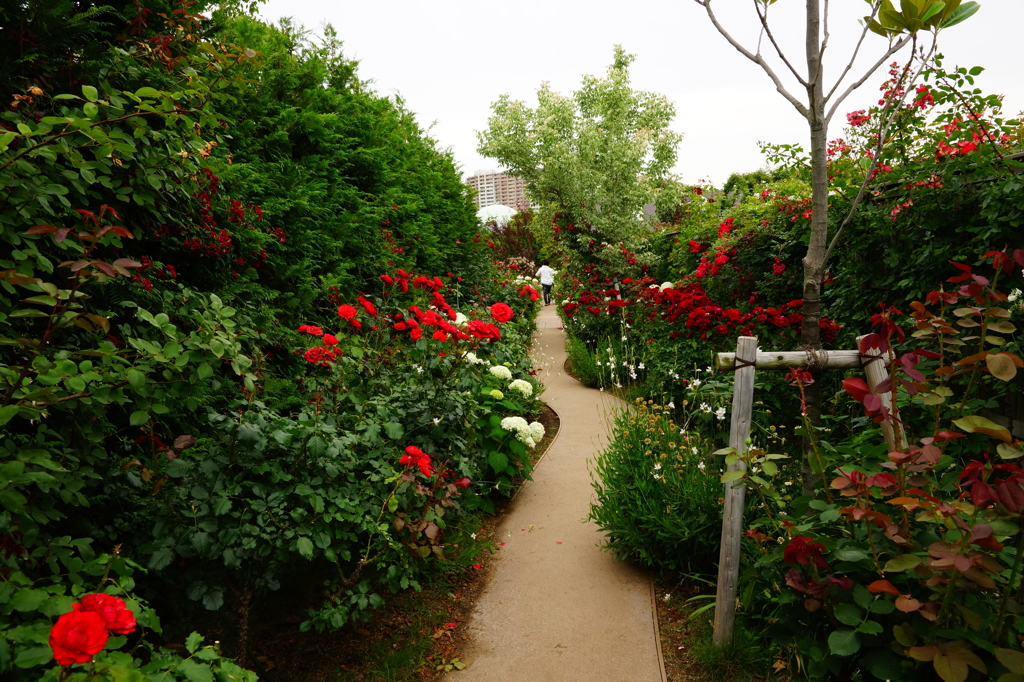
(501, 372)
(472, 359)
(522, 386)
(538, 431)
(497, 395)
(523, 432)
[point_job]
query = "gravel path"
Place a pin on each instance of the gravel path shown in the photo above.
(558, 608)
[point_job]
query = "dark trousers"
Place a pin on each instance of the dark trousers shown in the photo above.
(547, 293)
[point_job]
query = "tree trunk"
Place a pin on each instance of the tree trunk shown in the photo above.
(810, 332)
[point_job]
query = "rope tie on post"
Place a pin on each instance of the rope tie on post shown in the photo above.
(740, 363)
(817, 359)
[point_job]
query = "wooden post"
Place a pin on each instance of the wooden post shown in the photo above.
(732, 515)
(875, 373)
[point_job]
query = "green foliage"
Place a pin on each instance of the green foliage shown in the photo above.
(658, 492)
(591, 160)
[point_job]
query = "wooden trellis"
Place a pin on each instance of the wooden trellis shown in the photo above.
(743, 363)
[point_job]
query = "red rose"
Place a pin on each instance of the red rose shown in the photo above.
(77, 636)
(803, 550)
(484, 330)
(309, 329)
(330, 339)
(367, 306)
(461, 482)
(346, 312)
(501, 312)
(119, 619)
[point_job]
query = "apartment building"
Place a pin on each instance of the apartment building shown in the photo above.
(493, 187)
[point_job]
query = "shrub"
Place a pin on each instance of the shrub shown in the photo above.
(658, 493)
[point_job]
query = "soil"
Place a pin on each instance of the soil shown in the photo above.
(413, 635)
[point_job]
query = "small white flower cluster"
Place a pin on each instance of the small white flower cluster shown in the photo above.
(501, 372)
(666, 285)
(522, 386)
(720, 413)
(472, 359)
(529, 433)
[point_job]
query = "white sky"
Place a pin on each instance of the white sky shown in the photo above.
(450, 59)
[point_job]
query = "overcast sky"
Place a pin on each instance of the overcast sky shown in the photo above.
(450, 59)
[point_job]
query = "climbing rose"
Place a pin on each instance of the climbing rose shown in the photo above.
(77, 636)
(318, 355)
(309, 329)
(346, 312)
(330, 339)
(501, 312)
(117, 616)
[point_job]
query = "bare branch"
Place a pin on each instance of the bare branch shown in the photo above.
(856, 50)
(763, 16)
(893, 49)
(825, 37)
(892, 107)
(757, 59)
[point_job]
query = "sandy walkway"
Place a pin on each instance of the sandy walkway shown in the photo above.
(557, 608)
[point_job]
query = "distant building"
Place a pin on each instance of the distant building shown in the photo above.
(493, 187)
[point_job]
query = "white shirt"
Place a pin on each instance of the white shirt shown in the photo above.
(546, 274)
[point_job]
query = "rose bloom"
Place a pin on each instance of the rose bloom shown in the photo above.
(117, 616)
(346, 312)
(501, 312)
(330, 339)
(310, 329)
(77, 636)
(367, 306)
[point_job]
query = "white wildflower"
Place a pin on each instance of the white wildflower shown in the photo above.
(501, 372)
(667, 597)
(437, 420)
(473, 535)
(695, 384)
(657, 466)
(705, 408)
(709, 370)
(671, 405)
(641, 366)
(523, 387)
(700, 465)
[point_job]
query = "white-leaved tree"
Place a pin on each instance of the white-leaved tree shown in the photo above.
(594, 158)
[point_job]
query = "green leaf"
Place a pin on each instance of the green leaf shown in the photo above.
(28, 600)
(204, 371)
(41, 300)
(193, 641)
(932, 10)
(848, 614)
(978, 424)
(195, 671)
(221, 505)
(305, 547)
(90, 92)
(904, 562)
(138, 418)
(733, 475)
(394, 430)
(961, 13)
(870, 627)
(34, 656)
(844, 642)
(147, 92)
(7, 413)
(850, 554)
(497, 460)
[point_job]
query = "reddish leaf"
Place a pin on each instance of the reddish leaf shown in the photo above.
(907, 605)
(41, 229)
(883, 586)
(857, 388)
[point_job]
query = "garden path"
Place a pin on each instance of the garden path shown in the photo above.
(557, 608)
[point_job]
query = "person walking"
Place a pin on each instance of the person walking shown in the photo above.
(547, 279)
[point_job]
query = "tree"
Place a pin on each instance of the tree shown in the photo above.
(592, 159)
(820, 105)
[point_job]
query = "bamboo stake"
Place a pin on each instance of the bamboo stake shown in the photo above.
(837, 359)
(732, 515)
